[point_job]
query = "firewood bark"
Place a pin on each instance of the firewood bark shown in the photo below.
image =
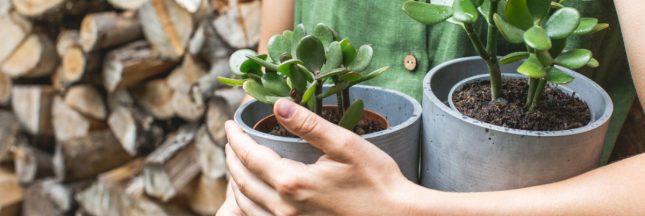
(9, 134)
(132, 64)
(106, 29)
(77, 64)
(87, 156)
(32, 105)
(32, 164)
(209, 195)
(207, 44)
(127, 4)
(68, 123)
(156, 98)
(36, 8)
(187, 107)
(86, 100)
(185, 76)
(172, 166)
(210, 156)
(135, 130)
(5, 89)
(35, 57)
(49, 197)
(66, 39)
(240, 25)
(120, 98)
(12, 194)
(15, 29)
(167, 26)
(218, 113)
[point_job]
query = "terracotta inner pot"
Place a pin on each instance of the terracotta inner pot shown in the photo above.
(266, 124)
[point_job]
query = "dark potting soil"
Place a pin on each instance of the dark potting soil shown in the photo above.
(556, 110)
(364, 126)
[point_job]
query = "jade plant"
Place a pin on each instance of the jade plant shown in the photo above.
(296, 67)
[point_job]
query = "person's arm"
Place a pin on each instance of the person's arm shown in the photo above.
(630, 15)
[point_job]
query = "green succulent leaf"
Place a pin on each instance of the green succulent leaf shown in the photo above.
(363, 58)
(311, 51)
(273, 83)
(371, 75)
(308, 95)
(478, 2)
(556, 5)
(600, 27)
(574, 59)
(483, 9)
(261, 60)
(586, 25)
(229, 81)
(349, 52)
(272, 99)
(426, 13)
(593, 63)
(562, 23)
(532, 68)
(517, 13)
(324, 33)
(352, 115)
(464, 11)
(298, 78)
(256, 90)
(334, 72)
(334, 89)
(307, 74)
(278, 45)
(298, 34)
(239, 57)
(538, 8)
(557, 45)
(285, 67)
(511, 33)
(350, 77)
(558, 77)
(537, 38)
(513, 57)
(334, 57)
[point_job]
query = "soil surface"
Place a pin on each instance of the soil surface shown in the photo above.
(556, 110)
(364, 126)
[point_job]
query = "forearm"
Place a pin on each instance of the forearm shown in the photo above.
(630, 17)
(616, 189)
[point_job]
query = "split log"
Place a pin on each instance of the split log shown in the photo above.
(210, 156)
(76, 64)
(5, 89)
(66, 39)
(32, 164)
(132, 64)
(156, 98)
(120, 98)
(240, 25)
(36, 8)
(32, 105)
(233, 96)
(12, 194)
(135, 130)
(218, 113)
(9, 134)
(5, 7)
(35, 57)
(87, 156)
(207, 44)
(185, 76)
(209, 195)
(192, 6)
(48, 197)
(86, 100)
(127, 4)
(103, 30)
(167, 26)
(15, 29)
(68, 123)
(187, 107)
(172, 166)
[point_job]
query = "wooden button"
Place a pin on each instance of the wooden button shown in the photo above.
(410, 62)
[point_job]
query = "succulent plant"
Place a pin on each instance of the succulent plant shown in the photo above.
(296, 67)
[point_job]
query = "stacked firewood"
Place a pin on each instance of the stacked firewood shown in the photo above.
(111, 107)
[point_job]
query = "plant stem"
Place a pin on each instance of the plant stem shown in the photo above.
(346, 99)
(339, 98)
(318, 107)
(529, 97)
(474, 39)
(492, 62)
(538, 92)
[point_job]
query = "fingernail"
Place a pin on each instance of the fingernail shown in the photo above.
(285, 108)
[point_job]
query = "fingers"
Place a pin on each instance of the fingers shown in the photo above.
(246, 205)
(333, 140)
(229, 207)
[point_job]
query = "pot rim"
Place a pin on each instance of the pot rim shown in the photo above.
(416, 114)
(601, 120)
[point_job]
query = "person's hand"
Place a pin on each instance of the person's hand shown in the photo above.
(229, 207)
(353, 177)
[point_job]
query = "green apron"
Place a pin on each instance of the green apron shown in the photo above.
(394, 36)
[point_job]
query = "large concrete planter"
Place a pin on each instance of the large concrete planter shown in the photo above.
(462, 154)
(400, 140)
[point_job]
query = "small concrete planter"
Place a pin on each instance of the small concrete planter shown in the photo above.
(462, 154)
(400, 140)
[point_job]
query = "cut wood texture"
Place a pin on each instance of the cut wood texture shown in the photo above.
(12, 194)
(127, 4)
(218, 113)
(209, 195)
(86, 100)
(187, 107)
(32, 105)
(35, 57)
(5, 89)
(77, 64)
(167, 26)
(15, 29)
(172, 166)
(131, 64)
(103, 30)
(68, 123)
(210, 156)
(72, 159)
(185, 76)
(9, 134)
(66, 39)
(239, 25)
(36, 8)
(48, 197)
(32, 164)
(156, 98)
(5, 6)
(135, 130)
(120, 98)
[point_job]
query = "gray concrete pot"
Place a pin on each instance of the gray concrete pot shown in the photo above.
(462, 154)
(400, 140)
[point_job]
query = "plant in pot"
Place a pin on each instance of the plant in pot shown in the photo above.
(296, 68)
(499, 130)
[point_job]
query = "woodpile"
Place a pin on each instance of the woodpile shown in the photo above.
(111, 107)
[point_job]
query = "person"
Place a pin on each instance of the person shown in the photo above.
(356, 178)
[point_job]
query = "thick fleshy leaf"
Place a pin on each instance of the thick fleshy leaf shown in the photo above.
(311, 51)
(298, 34)
(537, 38)
(371, 75)
(483, 9)
(272, 99)
(297, 79)
(363, 58)
(574, 59)
(324, 34)
(278, 45)
(261, 59)
(517, 13)
(273, 83)
(307, 74)
(250, 67)
(426, 13)
(478, 2)
(593, 63)
(334, 72)
(285, 67)
(538, 8)
(334, 90)
(349, 52)
(334, 57)
(600, 27)
(350, 77)
(562, 23)
(558, 77)
(511, 33)
(532, 68)
(309, 94)
(513, 57)
(352, 115)
(237, 58)
(229, 81)
(464, 11)
(557, 45)
(586, 25)
(255, 90)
